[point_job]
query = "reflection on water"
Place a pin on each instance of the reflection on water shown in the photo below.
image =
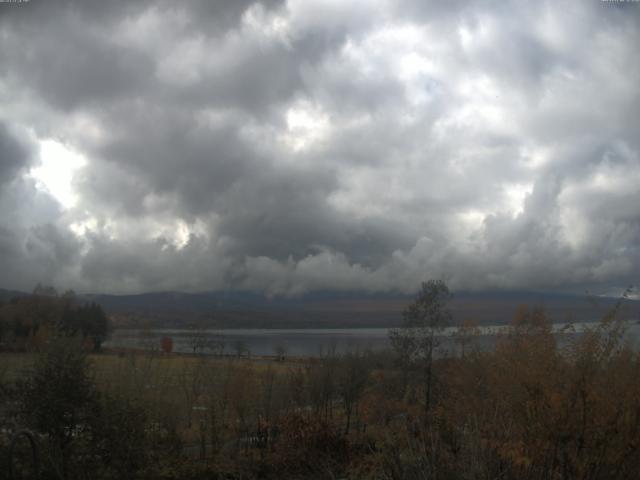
(308, 342)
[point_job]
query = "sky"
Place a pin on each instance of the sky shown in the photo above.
(291, 146)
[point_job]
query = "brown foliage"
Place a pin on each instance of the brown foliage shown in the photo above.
(542, 412)
(309, 446)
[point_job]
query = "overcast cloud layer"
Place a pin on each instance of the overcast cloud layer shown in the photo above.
(292, 146)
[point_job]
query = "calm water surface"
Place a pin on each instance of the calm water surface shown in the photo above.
(306, 342)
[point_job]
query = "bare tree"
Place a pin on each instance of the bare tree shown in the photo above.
(281, 351)
(240, 347)
(198, 341)
(416, 339)
(465, 334)
(192, 383)
(352, 382)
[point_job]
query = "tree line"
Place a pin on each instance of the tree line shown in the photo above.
(29, 322)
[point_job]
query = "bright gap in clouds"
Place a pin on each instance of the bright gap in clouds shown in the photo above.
(305, 125)
(516, 194)
(55, 173)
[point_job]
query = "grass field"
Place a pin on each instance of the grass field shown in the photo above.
(182, 390)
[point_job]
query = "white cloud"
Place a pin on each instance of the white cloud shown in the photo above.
(54, 174)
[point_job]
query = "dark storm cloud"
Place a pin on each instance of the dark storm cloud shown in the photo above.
(264, 208)
(68, 55)
(15, 154)
(32, 244)
(286, 146)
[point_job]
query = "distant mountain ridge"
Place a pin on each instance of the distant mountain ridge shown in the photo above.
(332, 309)
(6, 295)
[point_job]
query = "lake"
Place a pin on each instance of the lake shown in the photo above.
(306, 342)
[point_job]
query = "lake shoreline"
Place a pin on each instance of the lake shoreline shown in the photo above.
(307, 342)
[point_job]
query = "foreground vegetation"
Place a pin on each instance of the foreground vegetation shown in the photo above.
(527, 410)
